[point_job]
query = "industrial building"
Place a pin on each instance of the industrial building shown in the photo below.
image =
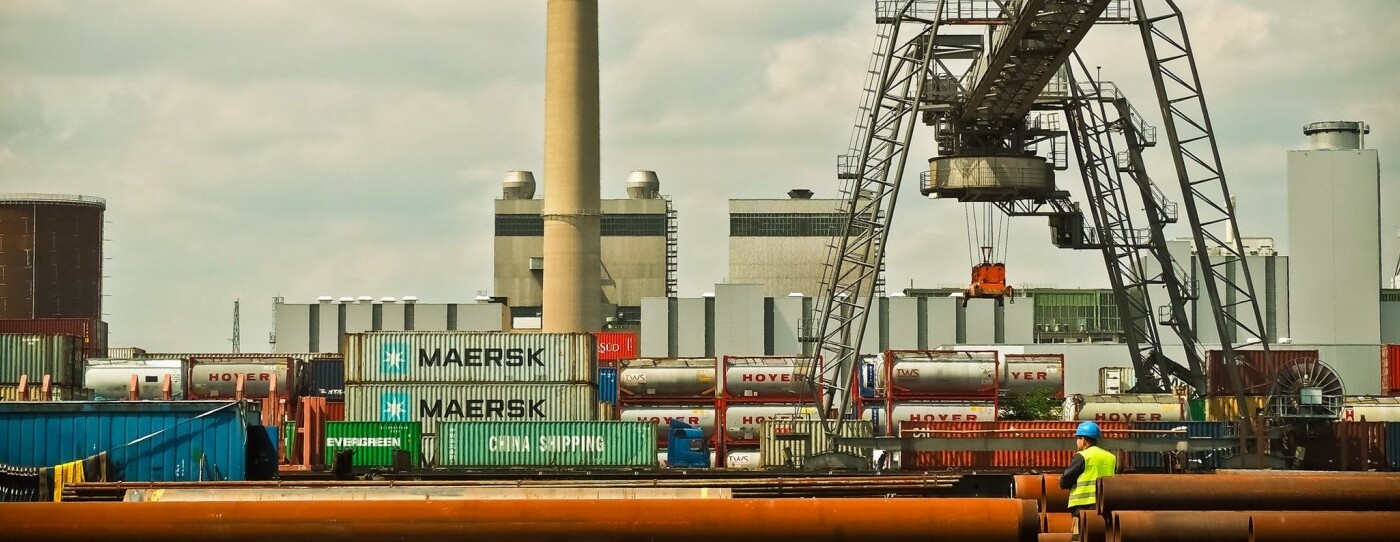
(782, 244)
(319, 327)
(638, 248)
(51, 256)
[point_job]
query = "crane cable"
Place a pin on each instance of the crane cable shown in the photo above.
(986, 227)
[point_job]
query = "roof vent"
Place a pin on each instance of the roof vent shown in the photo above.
(800, 193)
(642, 184)
(518, 185)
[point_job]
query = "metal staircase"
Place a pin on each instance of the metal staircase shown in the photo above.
(672, 249)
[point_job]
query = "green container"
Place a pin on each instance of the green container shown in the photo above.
(1196, 410)
(374, 442)
(606, 444)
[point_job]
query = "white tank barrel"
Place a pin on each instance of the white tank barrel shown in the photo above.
(743, 460)
(878, 419)
(1022, 373)
(942, 373)
(703, 417)
(872, 376)
(940, 411)
(767, 378)
(1129, 408)
(741, 421)
(666, 379)
(213, 378)
(110, 380)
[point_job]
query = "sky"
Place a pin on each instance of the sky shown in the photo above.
(265, 148)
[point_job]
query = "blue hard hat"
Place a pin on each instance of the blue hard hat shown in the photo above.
(1088, 429)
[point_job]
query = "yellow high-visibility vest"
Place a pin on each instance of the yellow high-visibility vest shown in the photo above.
(1098, 463)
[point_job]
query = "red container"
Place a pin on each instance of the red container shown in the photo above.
(942, 374)
(1346, 446)
(1390, 369)
(616, 345)
(766, 379)
(335, 412)
(1257, 372)
(92, 332)
(1009, 460)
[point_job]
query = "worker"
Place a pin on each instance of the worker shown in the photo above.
(1090, 463)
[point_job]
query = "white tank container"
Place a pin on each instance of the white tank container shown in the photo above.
(661, 459)
(939, 411)
(1128, 408)
(215, 378)
(659, 379)
(876, 415)
(1373, 409)
(872, 375)
(109, 379)
(767, 378)
(743, 459)
(941, 373)
(1022, 373)
(742, 421)
(703, 417)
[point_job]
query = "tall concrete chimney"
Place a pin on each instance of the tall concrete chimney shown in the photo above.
(572, 285)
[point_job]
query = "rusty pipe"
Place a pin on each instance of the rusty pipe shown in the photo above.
(1137, 526)
(1056, 523)
(807, 520)
(1225, 492)
(1323, 526)
(1092, 527)
(1055, 537)
(1028, 486)
(1054, 499)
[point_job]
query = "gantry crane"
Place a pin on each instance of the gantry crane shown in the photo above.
(987, 139)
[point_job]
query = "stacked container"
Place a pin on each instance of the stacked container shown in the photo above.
(661, 390)
(755, 390)
(91, 332)
(1390, 369)
(436, 376)
(1009, 460)
(1026, 373)
(613, 347)
(325, 377)
(1256, 373)
(1135, 407)
(938, 386)
(35, 356)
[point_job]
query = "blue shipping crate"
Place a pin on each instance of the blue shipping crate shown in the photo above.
(326, 378)
(183, 441)
(1195, 461)
(607, 384)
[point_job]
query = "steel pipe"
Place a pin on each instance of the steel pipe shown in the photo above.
(1056, 523)
(1028, 486)
(1195, 526)
(1092, 527)
(1055, 499)
(1225, 492)
(1055, 537)
(807, 520)
(1323, 526)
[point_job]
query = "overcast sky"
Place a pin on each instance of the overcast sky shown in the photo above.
(260, 148)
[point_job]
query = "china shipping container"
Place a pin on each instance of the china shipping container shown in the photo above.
(1226, 409)
(1193, 461)
(1390, 369)
(941, 374)
(432, 403)
(615, 346)
(1257, 372)
(185, 441)
(92, 333)
(325, 377)
(110, 379)
(217, 378)
(1024, 373)
(591, 444)
(374, 443)
(10, 392)
(1132, 407)
(1372, 409)
(1011, 460)
(1116, 380)
(667, 380)
(766, 379)
(34, 356)
(784, 444)
(607, 385)
(703, 417)
(469, 357)
(740, 421)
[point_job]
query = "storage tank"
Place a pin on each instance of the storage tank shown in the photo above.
(52, 251)
(217, 378)
(941, 373)
(1126, 408)
(666, 379)
(741, 421)
(109, 379)
(1022, 373)
(1338, 135)
(702, 417)
(939, 411)
(767, 378)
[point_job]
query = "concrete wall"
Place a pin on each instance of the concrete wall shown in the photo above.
(739, 320)
(788, 324)
(316, 327)
(786, 264)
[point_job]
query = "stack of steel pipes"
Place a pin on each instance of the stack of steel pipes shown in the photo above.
(1051, 501)
(1246, 507)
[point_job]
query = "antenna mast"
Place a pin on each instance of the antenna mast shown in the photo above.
(235, 326)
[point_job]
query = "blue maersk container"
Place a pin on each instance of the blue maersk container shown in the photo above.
(1195, 461)
(146, 441)
(607, 384)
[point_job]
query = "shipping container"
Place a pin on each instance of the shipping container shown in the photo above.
(607, 385)
(591, 444)
(1023, 373)
(335, 412)
(766, 379)
(1226, 409)
(741, 421)
(58, 356)
(700, 416)
(742, 458)
(432, 403)
(1192, 461)
(666, 380)
(217, 378)
(92, 333)
(877, 415)
(1392, 445)
(374, 443)
(785, 444)
(110, 379)
(147, 441)
(9, 392)
(1390, 369)
(1344, 446)
(1116, 380)
(614, 346)
(941, 374)
(325, 377)
(469, 357)
(1010, 460)
(126, 352)
(1256, 373)
(1371, 409)
(1132, 407)
(937, 411)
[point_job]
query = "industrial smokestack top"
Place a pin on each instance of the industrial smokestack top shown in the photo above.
(800, 193)
(518, 185)
(1337, 135)
(642, 184)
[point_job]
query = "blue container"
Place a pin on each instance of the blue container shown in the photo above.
(1195, 461)
(262, 452)
(1392, 445)
(326, 379)
(607, 384)
(147, 441)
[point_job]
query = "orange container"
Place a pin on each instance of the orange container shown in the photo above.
(1009, 460)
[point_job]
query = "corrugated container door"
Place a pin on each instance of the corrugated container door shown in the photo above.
(1194, 461)
(469, 357)
(58, 356)
(1390, 369)
(374, 442)
(607, 384)
(546, 444)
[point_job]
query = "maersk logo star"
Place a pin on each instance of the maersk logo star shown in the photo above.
(393, 358)
(393, 407)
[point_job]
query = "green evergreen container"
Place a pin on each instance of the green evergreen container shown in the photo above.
(374, 442)
(600, 444)
(1196, 410)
